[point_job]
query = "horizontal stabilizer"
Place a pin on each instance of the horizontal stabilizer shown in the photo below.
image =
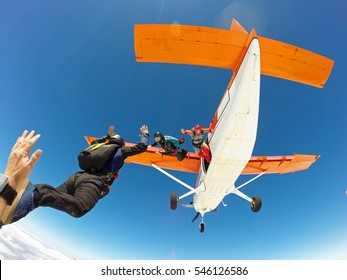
(206, 46)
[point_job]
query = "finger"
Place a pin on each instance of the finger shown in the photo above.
(31, 143)
(26, 140)
(34, 158)
(24, 134)
(20, 139)
(30, 135)
(32, 140)
(35, 139)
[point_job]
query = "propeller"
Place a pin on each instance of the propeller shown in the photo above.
(196, 216)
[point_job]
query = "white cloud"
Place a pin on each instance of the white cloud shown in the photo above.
(18, 244)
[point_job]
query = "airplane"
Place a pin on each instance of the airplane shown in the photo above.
(233, 130)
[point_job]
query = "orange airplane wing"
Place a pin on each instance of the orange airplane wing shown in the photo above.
(206, 46)
(256, 165)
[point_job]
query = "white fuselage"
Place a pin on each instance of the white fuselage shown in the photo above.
(232, 142)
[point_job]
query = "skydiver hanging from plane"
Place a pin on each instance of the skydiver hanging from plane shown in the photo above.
(197, 134)
(171, 145)
(100, 162)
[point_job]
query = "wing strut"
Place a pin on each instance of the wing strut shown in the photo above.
(174, 178)
(241, 194)
(256, 177)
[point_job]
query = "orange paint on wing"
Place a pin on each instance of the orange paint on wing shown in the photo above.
(256, 165)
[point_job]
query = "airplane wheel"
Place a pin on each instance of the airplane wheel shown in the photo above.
(202, 227)
(173, 201)
(256, 203)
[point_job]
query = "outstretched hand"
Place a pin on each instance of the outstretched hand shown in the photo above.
(111, 130)
(20, 164)
(144, 129)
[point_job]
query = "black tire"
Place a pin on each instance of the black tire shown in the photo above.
(256, 204)
(173, 201)
(202, 227)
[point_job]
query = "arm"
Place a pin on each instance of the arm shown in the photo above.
(190, 131)
(187, 131)
(105, 138)
(153, 145)
(100, 140)
(170, 148)
(139, 147)
(165, 152)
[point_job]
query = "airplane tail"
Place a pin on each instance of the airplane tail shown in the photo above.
(206, 46)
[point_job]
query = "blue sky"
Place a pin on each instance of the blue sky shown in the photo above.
(68, 69)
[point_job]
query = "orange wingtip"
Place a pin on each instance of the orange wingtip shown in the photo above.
(206, 46)
(90, 139)
(279, 164)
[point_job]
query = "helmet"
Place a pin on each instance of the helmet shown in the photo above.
(197, 127)
(117, 139)
(160, 135)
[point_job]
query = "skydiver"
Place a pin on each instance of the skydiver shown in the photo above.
(82, 190)
(170, 145)
(197, 136)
